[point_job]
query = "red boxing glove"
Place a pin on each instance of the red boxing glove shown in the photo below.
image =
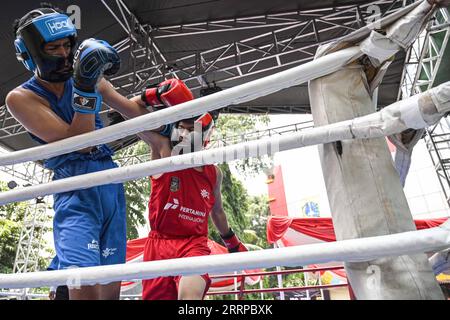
(168, 93)
(233, 243)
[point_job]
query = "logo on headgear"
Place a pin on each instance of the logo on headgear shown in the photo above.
(57, 25)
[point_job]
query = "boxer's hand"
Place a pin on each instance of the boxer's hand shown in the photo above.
(233, 243)
(168, 93)
(92, 59)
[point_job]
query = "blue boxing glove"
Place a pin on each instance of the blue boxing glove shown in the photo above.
(92, 59)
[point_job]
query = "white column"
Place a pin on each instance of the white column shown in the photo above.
(365, 193)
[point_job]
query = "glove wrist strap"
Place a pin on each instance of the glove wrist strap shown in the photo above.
(166, 130)
(86, 102)
(231, 240)
(145, 98)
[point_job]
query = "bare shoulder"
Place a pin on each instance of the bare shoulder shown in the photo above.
(157, 176)
(19, 98)
(14, 97)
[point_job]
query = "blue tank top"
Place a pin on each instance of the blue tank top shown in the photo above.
(63, 108)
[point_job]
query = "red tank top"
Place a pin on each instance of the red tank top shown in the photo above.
(180, 202)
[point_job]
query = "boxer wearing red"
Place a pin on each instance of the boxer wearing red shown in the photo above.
(182, 201)
(179, 207)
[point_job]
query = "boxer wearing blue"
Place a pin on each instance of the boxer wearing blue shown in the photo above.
(62, 100)
(88, 223)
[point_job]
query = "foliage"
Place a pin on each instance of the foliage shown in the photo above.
(229, 125)
(136, 192)
(14, 211)
(235, 204)
(9, 238)
(233, 129)
(11, 223)
(257, 214)
(10, 227)
(246, 215)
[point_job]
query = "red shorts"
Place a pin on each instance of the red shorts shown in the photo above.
(160, 247)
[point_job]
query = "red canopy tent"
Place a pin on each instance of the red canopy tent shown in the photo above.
(289, 231)
(297, 231)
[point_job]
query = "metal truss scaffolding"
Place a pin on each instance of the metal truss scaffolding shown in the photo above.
(286, 40)
(428, 66)
(292, 40)
(437, 140)
(29, 246)
(129, 157)
(36, 217)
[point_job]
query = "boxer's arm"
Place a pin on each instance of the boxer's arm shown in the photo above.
(219, 218)
(38, 119)
(218, 215)
(131, 108)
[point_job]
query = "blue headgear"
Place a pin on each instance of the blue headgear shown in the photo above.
(31, 36)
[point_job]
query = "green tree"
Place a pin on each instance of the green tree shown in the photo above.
(235, 204)
(233, 129)
(137, 194)
(11, 223)
(257, 214)
(11, 216)
(14, 211)
(9, 238)
(136, 191)
(246, 215)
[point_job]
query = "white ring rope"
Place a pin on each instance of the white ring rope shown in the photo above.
(28, 295)
(392, 119)
(354, 250)
(236, 95)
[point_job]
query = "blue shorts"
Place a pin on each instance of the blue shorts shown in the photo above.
(53, 264)
(89, 226)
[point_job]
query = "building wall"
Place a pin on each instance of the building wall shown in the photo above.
(304, 185)
(422, 188)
